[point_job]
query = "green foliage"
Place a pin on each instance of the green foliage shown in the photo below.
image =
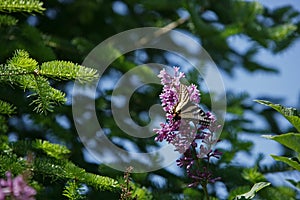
(25, 37)
(68, 31)
(99, 182)
(24, 71)
(55, 166)
(44, 96)
(67, 71)
(12, 163)
(21, 6)
(281, 31)
(290, 140)
(190, 194)
(295, 183)
(278, 193)
(52, 166)
(72, 191)
(6, 108)
(238, 191)
(142, 193)
(3, 124)
(291, 114)
(255, 188)
(132, 191)
(7, 20)
(290, 161)
(240, 18)
(253, 175)
(53, 150)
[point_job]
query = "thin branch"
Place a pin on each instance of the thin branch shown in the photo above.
(161, 31)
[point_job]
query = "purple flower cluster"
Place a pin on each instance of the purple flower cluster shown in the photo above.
(175, 131)
(15, 188)
(191, 139)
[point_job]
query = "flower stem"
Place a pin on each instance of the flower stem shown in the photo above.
(204, 186)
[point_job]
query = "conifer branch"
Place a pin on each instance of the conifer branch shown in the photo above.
(54, 165)
(11, 162)
(54, 150)
(65, 70)
(72, 191)
(65, 170)
(3, 124)
(6, 108)
(7, 20)
(101, 183)
(21, 6)
(45, 96)
(25, 72)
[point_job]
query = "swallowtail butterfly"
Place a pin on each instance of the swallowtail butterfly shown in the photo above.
(185, 109)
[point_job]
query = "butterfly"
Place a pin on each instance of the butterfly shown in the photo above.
(185, 109)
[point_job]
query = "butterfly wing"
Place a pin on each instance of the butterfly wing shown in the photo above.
(189, 110)
(183, 98)
(193, 112)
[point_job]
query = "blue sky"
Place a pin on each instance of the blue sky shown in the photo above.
(286, 83)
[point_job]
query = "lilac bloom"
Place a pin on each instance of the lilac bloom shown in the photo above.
(193, 140)
(16, 188)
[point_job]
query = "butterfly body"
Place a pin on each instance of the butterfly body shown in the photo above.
(185, 109)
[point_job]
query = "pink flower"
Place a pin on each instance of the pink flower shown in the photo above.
(16, 188)
(186, 134)
(180, 133)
